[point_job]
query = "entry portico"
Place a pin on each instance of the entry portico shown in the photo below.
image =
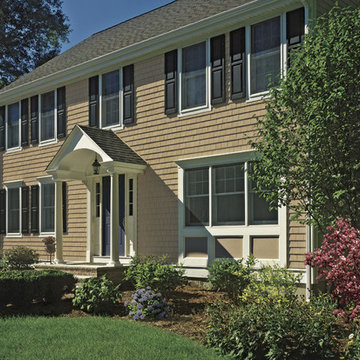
(111, 192)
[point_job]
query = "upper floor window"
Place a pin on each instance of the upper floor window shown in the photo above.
(111, 98)
(265, 55)
(193, 76)
(47, 116)
(13, 125)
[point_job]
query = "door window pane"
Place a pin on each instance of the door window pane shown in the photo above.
(228, 195)
(265, 55)
(194, 76)
(13, 211)
(197, 197)
(110, 99)
(47, 116)
(13, 126)
(47, 207)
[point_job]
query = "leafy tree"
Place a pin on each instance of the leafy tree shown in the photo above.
(309, 140)
(31, 33)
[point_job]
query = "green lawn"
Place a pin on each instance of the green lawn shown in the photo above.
(93, 338)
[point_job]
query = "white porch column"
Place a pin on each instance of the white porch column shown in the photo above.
(58, 222)
(90, 221)
(114, 218)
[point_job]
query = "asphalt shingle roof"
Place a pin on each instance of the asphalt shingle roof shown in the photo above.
(113, 145)
(167, 18)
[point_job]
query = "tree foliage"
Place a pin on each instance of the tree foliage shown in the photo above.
(31, 33)
(309, 140)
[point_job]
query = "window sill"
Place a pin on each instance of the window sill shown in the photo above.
(13, 150)
(115, 127)
(42, 234)
(48, 142)
(14, 235)
(194, 111)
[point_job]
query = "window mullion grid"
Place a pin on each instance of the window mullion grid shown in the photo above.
(208, 74)
(210, 196)
(7, 209)
(121, 100)
(20, 210)
(6, 132)
(39, 116)
(246, 195)
(19, 124)
(100, 100)
(179, 53)
(55, 114)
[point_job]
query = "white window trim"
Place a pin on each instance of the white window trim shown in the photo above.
(207, 106)
(13, 185)
(120, 125)
(211, 232)
(15, 148)
(43, 181)
(54, 139)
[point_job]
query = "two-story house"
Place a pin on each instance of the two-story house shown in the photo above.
(136, 140)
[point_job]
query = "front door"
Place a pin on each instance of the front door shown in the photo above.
(106, 215)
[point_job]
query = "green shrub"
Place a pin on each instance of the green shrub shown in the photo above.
(271, 283)
(352, 348)
(20, 258)
(276, 330)
(231, 276)
(97, 295)
(21, 287)
(154, 272)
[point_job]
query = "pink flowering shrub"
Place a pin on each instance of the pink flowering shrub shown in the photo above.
(338, 262)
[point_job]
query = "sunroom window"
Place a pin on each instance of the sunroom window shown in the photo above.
(193, 84)
(265, 55)
(47, 116)
(110, 104)
(13, 120)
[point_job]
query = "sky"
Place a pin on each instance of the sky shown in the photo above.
(87, 17)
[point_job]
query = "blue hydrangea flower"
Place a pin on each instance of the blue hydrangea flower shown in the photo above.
(139, 306)
(126, 303)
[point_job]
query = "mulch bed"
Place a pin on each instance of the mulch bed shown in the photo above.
(187, 315)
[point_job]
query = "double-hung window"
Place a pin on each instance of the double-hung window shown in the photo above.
(13, 125)
(229, 199)
(265, 55)
(47, 116)
(110, 99)
(13, 211)
(47, 207)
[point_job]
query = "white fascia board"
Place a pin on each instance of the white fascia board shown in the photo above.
(241, 15)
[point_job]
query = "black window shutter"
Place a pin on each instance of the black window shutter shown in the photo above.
(217, 45)
(2, 211)
(128, 94)
(35, 209)
(295, 28)
(24, 122)
(34, 104)
(2, 128)
(25, 210)
(237, 63)
(94, 101)
(61, 113)
(64, 206)
(171, 103)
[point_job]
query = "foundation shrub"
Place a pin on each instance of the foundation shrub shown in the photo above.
(276, 330)
(146, 304)
(155, 272)
(21, 287)
(231, 276)
(97, 295)
(20, 258)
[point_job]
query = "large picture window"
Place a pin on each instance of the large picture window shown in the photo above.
(265, 55)
(232, 197)
(47, 209)
(13, 121)
(194, 76)
(47, 116)
(110, 104)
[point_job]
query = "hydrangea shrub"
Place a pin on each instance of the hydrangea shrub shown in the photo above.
(338, 262)
(146, 304)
